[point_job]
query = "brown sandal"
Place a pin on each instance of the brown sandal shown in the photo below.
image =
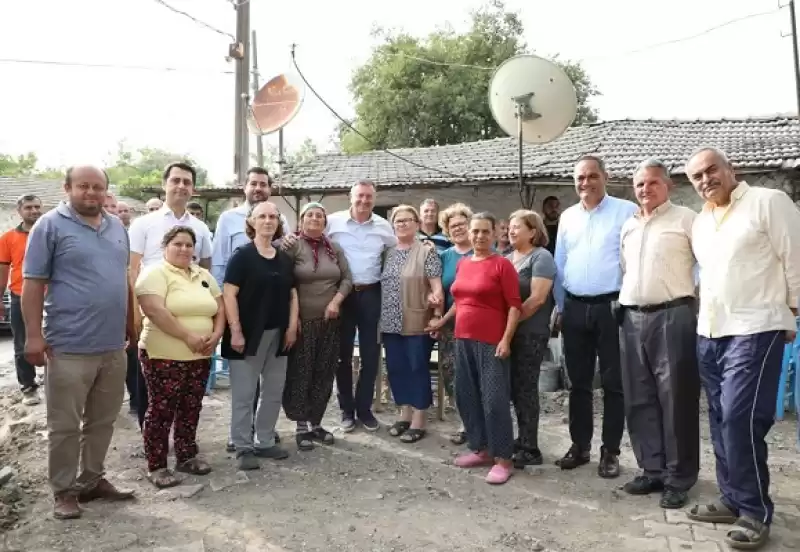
(194, 466)
(163, 478)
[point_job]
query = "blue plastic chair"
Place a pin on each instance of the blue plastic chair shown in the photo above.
(219, 367)
(789, 386)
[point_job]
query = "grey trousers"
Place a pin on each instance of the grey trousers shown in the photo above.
(245, 374)
(661, 383)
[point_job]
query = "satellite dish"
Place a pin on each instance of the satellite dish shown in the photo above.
(275, 104)
(533, 99)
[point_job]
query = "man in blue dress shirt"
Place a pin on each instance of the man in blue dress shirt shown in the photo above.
(587, 283)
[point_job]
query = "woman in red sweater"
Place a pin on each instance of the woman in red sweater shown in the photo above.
(487, 302)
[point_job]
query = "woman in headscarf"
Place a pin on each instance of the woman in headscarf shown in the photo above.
(323, 280)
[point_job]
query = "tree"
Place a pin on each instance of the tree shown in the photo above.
(134, 170)
(26, 165)
(424, 92)
(293, 159)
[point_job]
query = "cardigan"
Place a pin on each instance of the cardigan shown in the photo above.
(264, 286)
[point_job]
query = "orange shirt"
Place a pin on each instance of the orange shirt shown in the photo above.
(12, 252)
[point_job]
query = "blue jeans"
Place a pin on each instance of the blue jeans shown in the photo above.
(26, 372)
(360, 310)
(740, 375)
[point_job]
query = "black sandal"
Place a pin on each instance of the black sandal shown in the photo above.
(305, 440)
(459, 438)
(398, 428)
(413, 435)
(322, 435)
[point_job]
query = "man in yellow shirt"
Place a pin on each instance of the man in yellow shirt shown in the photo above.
(747, 243)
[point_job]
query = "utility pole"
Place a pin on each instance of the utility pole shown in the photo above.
(793, 19)
(241, 132)
(255, 86)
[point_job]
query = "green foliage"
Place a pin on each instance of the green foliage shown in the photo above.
(26, 165)
(403, 101)
(292, 159)
(133, 170)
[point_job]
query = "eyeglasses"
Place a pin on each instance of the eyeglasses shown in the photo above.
(404, 221)
(458, 226)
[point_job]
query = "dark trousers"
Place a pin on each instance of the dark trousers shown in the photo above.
(527, 352)
(142, 398)
(26, 372)
(740, 375)
(483, 391)
(591, 332)
(361, 310)
(131, 378)
(662, 392)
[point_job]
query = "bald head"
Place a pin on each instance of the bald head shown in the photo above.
(86, 187)
(124, 213)
(153, 204)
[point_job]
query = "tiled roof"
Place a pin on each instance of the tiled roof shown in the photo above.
(764, 143)
(51, 192)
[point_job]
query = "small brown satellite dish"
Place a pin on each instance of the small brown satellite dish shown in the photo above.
(275, 104)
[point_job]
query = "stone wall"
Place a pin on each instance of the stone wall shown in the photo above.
(504, 199)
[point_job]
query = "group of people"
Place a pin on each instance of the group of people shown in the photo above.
(619, 281)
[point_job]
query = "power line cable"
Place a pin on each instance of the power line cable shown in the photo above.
(597, 58)
(359, 133)
(198, 21)
(112, 66)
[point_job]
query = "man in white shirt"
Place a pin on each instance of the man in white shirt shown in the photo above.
(658, 340)
(363, 236)
(147, 231)
(230, 235)
(747, 242)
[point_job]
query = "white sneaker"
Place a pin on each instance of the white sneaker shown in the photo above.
(31, 398)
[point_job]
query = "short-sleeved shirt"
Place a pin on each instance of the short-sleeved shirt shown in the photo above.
(391, 286)
(190, 296)
(12, 252)
(538, 263)
(450, 258)
(483, 292)
(264, 296)
(147, 231)
(86, 269)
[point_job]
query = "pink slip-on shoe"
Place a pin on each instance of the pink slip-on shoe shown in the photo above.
(498, 475)
(473, 460)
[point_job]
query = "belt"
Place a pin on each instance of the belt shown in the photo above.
(594, 299)
(363, 287)
(680, 301)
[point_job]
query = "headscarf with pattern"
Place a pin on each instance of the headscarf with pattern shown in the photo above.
(321, 241)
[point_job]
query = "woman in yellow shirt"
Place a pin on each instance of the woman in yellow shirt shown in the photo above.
(184, 320)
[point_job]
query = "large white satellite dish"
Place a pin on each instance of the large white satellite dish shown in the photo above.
(532, 99)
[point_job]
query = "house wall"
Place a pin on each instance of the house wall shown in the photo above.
(504, 199)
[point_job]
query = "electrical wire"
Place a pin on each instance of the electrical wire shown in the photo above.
(359, 133)
(596, 58)
(193, 18)
(112, 66)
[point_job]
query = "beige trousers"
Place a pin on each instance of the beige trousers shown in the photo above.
(83, 395)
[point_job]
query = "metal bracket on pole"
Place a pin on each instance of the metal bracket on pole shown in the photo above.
(524, 112)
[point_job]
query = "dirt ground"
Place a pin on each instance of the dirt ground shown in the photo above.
(368, 492)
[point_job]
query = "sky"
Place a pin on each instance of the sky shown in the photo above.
(69, 115)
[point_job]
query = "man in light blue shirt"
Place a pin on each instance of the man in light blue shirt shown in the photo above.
(229, 234)
(588, 281)
(363, 236)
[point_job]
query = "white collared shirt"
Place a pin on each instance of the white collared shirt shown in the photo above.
(749, 256)
(363, 243)
(147, 231)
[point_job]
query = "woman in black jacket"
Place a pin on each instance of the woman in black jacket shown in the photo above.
(262, 313)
